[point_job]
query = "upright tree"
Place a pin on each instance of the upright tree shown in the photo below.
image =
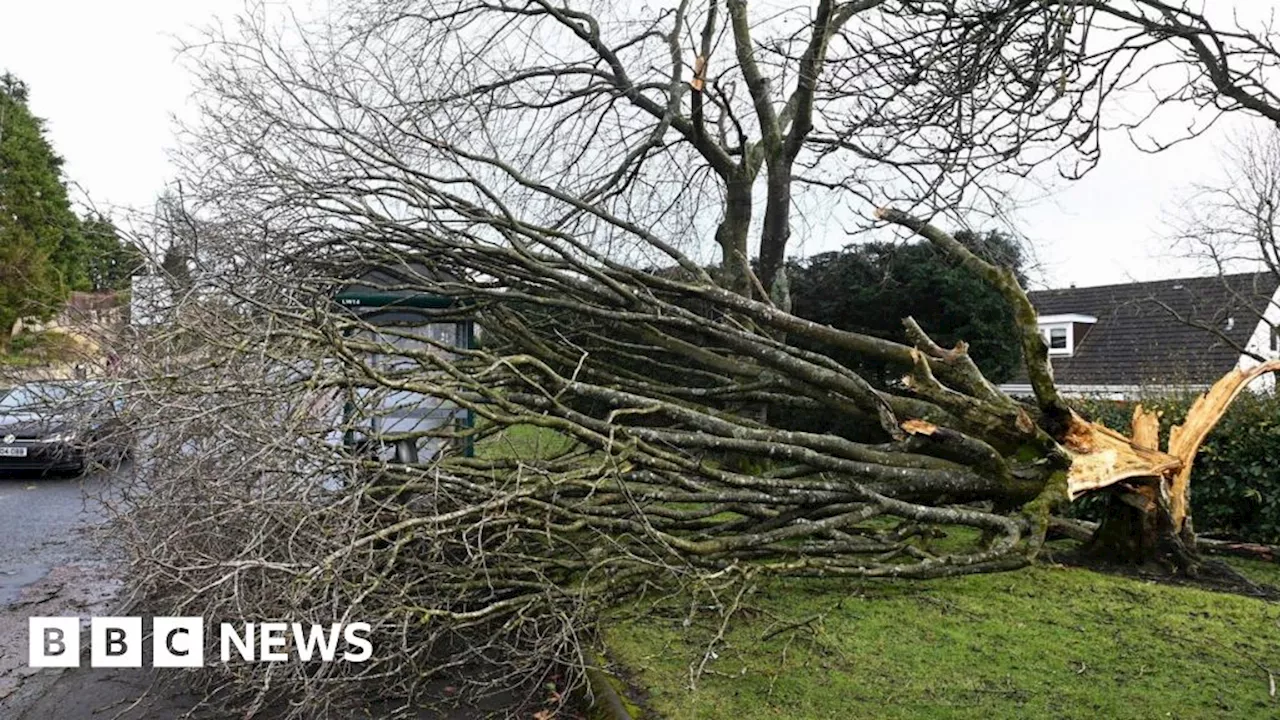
(41, 247)
(110, 261)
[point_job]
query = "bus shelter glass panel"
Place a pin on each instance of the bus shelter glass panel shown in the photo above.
(379, 415)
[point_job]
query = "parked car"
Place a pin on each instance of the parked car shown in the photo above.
(61, 427)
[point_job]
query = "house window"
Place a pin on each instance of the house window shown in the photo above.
(1064, 333)
(1058, 338)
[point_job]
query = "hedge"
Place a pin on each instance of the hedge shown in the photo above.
(1235, 484)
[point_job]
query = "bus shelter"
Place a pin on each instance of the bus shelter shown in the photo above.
(387, 422)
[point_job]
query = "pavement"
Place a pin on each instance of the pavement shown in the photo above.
(51, 563)
(55, 560)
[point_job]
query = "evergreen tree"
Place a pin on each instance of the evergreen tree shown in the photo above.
(41, 247)
(869, 288)
(109, 261)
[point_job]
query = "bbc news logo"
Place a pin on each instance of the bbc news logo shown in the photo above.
(178, 642)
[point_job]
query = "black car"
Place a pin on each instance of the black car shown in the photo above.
(60, 426)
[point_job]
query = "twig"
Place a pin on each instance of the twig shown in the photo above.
(790, 626)
(724, 626)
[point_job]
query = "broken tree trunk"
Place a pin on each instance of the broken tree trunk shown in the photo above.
(1083, 531)
(1148, 516)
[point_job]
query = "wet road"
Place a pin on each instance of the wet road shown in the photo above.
(46, 523)
(52, 562)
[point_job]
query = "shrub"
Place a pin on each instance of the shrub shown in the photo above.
(41, 348)
(1235, 485)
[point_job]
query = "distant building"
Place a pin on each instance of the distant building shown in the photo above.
(1170, 336)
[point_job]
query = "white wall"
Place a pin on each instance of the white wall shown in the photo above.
(1260, 343)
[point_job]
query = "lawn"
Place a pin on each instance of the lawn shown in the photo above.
(1044, 642)
(523, 442)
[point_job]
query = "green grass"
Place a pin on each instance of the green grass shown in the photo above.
(1045, 642)
(1267, 573)
(9, 360)
(523, 442)
(30, 350)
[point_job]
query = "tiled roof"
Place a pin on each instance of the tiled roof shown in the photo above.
(1170, 332)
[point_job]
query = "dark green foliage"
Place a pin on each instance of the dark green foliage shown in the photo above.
(176, 266)
(45, 250)
(1235, 487)
(110, 262)
(870, 288)
(41, 246)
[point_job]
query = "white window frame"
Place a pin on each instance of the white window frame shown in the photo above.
(1065, 322)
(1046, 331)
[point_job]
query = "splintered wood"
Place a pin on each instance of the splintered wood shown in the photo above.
(1102, 457)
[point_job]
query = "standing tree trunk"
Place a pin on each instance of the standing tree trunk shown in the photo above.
(1148, 517)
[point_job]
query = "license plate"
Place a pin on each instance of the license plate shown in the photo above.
(13, 452)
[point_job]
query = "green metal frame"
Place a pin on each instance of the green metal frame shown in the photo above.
(378, 300)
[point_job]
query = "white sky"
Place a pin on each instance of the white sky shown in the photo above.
(105, 77)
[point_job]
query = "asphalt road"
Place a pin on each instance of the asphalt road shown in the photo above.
(52, 562)
(45, 523)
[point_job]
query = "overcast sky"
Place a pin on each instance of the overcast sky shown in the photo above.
(104, 76)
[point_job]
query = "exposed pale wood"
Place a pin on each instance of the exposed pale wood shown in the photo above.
(1205, 412)
(1146, 428)
(919, 427)
(1102, 457)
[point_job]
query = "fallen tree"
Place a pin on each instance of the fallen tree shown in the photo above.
(550, 178)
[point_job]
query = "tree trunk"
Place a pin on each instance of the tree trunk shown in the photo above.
(731, 236)
(1148, 518)
(1148, 514)
(1138, 529)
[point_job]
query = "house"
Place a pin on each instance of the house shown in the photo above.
(1164, 337)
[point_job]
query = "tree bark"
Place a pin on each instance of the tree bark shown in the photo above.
(1138, 529)
(1150, 522)
(1148, 517)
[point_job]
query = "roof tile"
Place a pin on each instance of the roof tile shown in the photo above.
(1170, 332)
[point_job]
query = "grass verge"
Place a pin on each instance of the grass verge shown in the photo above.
(1045, 642)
